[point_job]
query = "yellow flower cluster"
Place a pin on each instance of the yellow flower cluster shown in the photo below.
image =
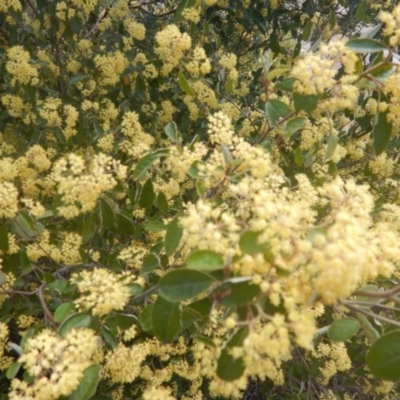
(81, 182)
(55, 363)
(101, 291)
(123, 364)
(392, 25)
(6, 4)
(18, 65)
(192, 14)
(171, 44)
(316, 72)
(338, 360)
(111, 67)
(200, 65)
(8, 200)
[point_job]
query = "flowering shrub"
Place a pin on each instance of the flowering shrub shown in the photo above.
(192, 206)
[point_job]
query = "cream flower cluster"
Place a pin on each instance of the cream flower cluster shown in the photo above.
(392, 25)
(82, 181)
(18, 65)
(101, 291)
(316, 72)
(171, 45)
(8, 200)
(111, 67)
(55, 363)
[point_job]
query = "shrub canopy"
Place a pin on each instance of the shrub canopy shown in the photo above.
(199, 199)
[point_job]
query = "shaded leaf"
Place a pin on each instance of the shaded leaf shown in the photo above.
(294, 124)
(146, 318)
(248, 243)
(184, 84)
(173, 237)
(228, 367)
(88, 384)
(306, 102)
(171, 131)
(80, 320)
(107, 213)
(381, 133)
(166, 320)
(365, 45)
(274, 110)
(204, 260)
(383, 358)
(343, 329)
(184, 284)
(150, 263)
(62, 311)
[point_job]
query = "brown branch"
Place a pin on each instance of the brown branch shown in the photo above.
(370, 314)
(46, 310)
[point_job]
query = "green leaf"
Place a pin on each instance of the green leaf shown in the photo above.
(166, 319)
(227, 154)
(331, 146)
(77, 78)
(248, 243)
(381, 133)
(383, 358)
(184, 284)
(107, 213)
(4, 238)
(180, 9)
(371, 333)
(308, 30)
(298, 157)
(204, 260)
(134, 289)
(3, 278)
(173, 237)
(147, 195)
(155, 226)
(228, 367)
(24, 225)
(184, 84)
(241, 293)
(275, 109)
(147, 161)
(125, 321)
(80, 320)
(171, 131)
(294, 124)
(343, 329)
(306, 102)
(365, 45)
(62, 311)
(162, 202)
(202, 308)
(229, 85)
(88, 384)
(362, 6)
(125, 224)
(146, 318)
(150, 263)
(12, 371)
(88, 229)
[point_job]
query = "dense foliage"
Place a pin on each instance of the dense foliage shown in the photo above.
(199, 199)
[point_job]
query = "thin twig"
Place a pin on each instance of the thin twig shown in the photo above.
(44, 305)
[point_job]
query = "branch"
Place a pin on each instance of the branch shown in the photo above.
(44, 305)
(370, 314)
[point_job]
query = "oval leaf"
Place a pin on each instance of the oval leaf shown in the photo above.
(184, 284)
(88, 384)
(81, 320)
(343, 329)
(365, 45)
(62, 312)
(166, 319)
(383, 359)
(381, 133)
(173, 237)
(275, 109)
(204, 260)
